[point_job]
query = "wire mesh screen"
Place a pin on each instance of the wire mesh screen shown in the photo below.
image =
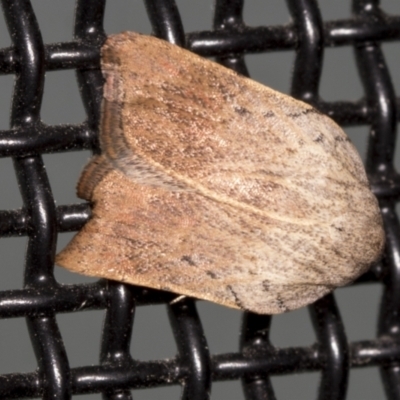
(195, 368)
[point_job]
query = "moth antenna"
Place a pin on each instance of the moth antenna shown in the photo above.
(177, 299)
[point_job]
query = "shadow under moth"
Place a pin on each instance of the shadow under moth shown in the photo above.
(213, 186)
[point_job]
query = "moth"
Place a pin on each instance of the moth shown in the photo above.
(213, 186)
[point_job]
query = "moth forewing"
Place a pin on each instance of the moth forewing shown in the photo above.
(214, 186)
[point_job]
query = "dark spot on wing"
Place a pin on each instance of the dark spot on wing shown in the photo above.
(304, 112)
(236, 297)
(281, 304)
(211, 274)
(189, 260)
(269, 114)
(338, 228)
(319, 138)
(266, 285)
(342, 139)
(242, 110)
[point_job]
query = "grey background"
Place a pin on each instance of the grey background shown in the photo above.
(152, 337)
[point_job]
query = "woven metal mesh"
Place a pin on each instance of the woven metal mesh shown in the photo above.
(42, 297)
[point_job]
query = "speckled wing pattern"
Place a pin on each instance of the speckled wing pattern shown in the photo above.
(214, 186)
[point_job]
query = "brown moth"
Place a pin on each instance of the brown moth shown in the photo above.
(214, 186)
